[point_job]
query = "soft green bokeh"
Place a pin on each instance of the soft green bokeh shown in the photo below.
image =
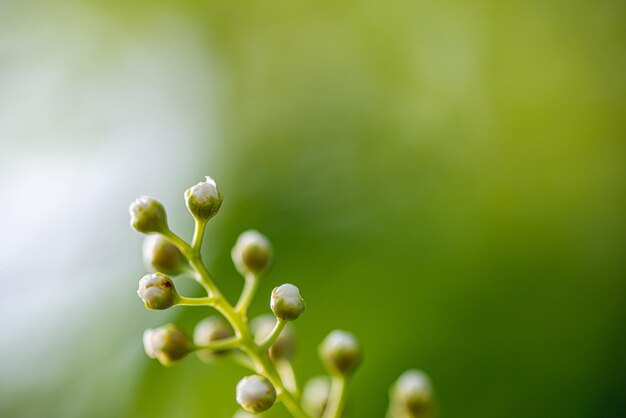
(447, 180)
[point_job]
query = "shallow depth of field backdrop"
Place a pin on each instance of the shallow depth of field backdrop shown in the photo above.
(445, 179)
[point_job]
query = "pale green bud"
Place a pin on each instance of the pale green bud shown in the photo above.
(147, 215)
(204, 199)
(252, 253)
(167, 344)
(286, 302)
(315, 396)
(255, 394)
(211, 330)
(157, 291)
(411, 395)
(162, 255)
(285, 344)
(340, 352)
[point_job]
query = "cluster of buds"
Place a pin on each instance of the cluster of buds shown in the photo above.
(265, 345)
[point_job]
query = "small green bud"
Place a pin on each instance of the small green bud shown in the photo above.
(204, 199)
(252, 253)
(285, 344)
(340, 352)
(167, 344)
(255, 394)
(411, 395)
(147, 215)
(211, 330)
(315, 396)
(163, 256)
(286, 302)
(157, 291)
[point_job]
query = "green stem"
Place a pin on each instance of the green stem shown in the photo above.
(249, 290)
(195, 259)
(224, 344)
(258, 356)
(337, 397)
(271, 338)
(269, 371)
(243, 360)
(285, 370)
(238, 321)
(184, 301)
(198, 234)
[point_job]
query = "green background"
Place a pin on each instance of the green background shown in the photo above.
(444, 179)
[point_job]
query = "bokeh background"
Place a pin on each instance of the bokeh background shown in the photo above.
(445, 179)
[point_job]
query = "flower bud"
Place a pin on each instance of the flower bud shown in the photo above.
(211, 330)
(252, 253)
(148, 215)
(162, 255)
(167, 344)
(157, 291)
(286, 302)
(340, 352)
(255, 394)
(411, 395)
(315, 396)
(285, 344)
(203, 200)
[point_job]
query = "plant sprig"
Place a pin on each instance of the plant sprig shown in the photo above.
(263, 345)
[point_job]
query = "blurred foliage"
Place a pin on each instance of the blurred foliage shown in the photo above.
(444, 179)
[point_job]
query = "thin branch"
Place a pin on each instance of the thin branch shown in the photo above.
(271, 338)
(184, 301)
(337, 398)
(198, 234)
(248, 293)
(221, 345)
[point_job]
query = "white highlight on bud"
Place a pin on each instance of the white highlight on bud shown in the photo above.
(252, 253)
(315, 396)
(211, 330)
(412, 393)
(147, 215)
(161, 255)
(255, 393)
(204, 199)
(157, 291)
(340, 352)
(286, 302)
(148, 343)
(166, 343)
(205, 190)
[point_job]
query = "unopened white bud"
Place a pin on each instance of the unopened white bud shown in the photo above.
(252, 253)
(286, 302)
(147, 215)
(157, 291)
(340, 352)
(255, 394)
(163, 256)
(315, 396)
(285, 344)
(208, 331)
(167, 344)
(411, 395)
(204, 199)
